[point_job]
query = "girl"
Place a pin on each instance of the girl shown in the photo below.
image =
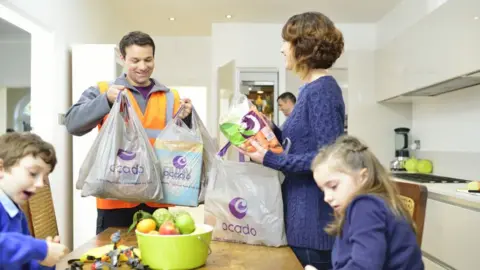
(373, 229)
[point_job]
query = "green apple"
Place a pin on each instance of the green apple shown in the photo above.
(424, 166)
(411, 164)
(185, 223)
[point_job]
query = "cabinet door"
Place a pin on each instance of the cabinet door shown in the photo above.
(431, 265)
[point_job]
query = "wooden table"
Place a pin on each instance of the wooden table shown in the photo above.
(224, 255)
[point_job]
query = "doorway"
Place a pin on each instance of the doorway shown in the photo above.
(15, 52)
(260, 85)
(46, 97)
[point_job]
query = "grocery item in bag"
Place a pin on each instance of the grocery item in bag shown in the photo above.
(244, 204)
(181, 163)
(185, 154)
(243, 124)
(121, 163)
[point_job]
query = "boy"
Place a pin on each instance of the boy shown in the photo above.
(25, 163)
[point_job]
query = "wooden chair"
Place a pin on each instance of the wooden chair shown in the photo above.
(40, 214)
(415, 199)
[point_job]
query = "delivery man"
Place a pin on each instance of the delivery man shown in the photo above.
(154, 103)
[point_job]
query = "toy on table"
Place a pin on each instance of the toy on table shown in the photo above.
(112, 258)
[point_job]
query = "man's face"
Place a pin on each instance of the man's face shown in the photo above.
(286, 106)
(140, 63)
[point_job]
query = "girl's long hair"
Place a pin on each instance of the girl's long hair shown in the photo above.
(349, 155)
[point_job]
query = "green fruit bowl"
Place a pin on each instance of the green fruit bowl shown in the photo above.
(176, 252)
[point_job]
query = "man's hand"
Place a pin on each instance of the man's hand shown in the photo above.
(113, 92)
(187, 108)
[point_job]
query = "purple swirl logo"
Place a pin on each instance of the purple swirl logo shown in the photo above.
(125, 155)
(179, 162)
(238, 207)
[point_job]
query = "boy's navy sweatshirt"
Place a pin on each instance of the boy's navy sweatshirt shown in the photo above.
(18, 250)
(373, 237)
(317, 120)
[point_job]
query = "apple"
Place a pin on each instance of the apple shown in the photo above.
(411, 165)
(185, 223)
(168, 228)
(424, 166)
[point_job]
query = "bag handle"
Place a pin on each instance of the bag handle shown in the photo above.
(177, 119)
(224, 150)
(123, 102)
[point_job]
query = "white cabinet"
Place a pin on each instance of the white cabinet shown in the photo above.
(431, 265)
(451, 233)
(441, 46)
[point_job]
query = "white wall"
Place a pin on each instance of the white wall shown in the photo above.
(54, 25)
(15, 64)
(424, 42)
(370, 121)
(249, 45)
(3, 109)
(185, 62)
(258, 45)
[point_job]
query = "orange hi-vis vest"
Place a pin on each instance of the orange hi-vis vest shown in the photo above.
(161, 106)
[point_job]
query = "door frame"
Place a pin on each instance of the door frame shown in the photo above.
(276, 86)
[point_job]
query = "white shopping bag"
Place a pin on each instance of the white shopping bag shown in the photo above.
(244, 204)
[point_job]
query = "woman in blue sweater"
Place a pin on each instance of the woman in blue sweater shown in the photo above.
(312, 44)
(373, 228)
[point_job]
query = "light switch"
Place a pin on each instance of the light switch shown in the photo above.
(61, 119)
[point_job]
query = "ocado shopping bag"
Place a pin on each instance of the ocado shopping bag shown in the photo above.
(244, 204)
(121, 164)
(186, 155)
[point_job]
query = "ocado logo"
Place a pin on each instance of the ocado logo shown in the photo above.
(179, 162)
(127, 156)
(238, 208)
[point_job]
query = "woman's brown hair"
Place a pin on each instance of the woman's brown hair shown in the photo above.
(315, 41)
(350, 156)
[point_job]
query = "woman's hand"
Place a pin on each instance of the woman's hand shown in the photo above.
(256, 156)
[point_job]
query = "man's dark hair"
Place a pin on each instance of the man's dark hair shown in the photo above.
(136, 38)
(287, 96)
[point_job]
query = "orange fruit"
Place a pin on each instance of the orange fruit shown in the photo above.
(146, 225)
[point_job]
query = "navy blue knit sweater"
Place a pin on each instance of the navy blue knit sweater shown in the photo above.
(316, 120)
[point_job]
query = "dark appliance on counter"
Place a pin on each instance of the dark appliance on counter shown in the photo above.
(428, 178)
(401, 150)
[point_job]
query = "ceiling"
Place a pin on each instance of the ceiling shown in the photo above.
(194, 17)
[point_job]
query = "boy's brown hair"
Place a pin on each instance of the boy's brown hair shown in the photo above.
(15, 146)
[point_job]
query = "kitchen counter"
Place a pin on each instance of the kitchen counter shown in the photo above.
(451, 221)
(448, 193)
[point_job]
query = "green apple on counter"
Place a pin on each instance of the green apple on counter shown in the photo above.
(411, 165)
(414, 165)
(424, 166)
